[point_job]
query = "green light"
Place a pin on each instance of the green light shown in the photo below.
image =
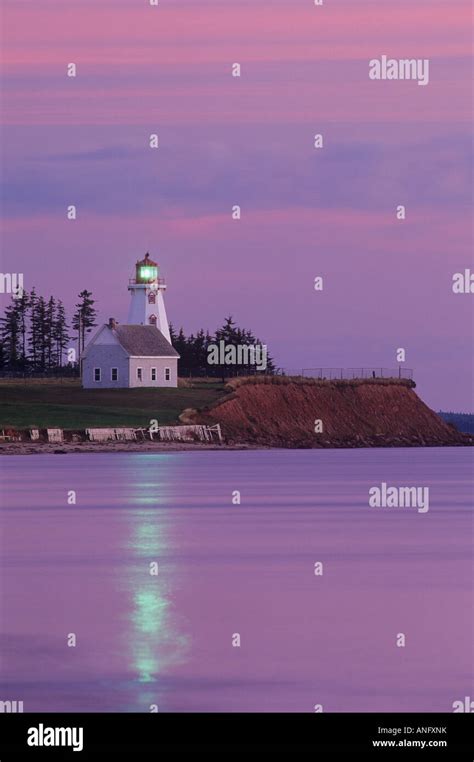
(148, 273)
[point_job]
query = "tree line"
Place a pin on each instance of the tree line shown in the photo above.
(35, 338)
(194, 351)
(34, 332)
(463, 421)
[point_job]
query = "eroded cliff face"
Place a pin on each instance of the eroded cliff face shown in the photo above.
(352, 414)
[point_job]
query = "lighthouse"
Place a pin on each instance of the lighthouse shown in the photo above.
(138, 353)
(147, 305)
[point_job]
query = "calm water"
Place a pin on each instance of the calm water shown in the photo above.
(226, 569)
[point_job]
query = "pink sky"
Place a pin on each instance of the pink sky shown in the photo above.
(249, 141)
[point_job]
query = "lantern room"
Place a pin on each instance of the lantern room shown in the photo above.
(146, 270)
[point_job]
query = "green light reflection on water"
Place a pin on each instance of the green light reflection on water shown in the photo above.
(154, 640)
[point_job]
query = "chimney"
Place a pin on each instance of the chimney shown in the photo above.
(112, 323)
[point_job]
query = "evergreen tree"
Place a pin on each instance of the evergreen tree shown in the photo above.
(33, 337)
(60, 333)
(228, 333)
(181, 345)
(39, 327)
(173, 336)
(83, 320)
(49, 318)
(199, 354)
(10, 333)
(232, 335)
(23, 305)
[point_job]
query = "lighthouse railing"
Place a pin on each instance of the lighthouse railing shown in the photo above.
(140, 282)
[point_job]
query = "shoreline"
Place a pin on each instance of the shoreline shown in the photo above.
(67, 448)
(257, 414)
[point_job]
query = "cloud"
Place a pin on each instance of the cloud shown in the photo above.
(105, 153)
(209, 177)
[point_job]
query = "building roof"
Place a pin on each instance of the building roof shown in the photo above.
(143, 341)
(147, 261)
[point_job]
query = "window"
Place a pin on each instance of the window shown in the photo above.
(139, 374)
(152, 319)
(114, 374)
(97, 374)
(167, 374)
(151, 298)
(153, 374)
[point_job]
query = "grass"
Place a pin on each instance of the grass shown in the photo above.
(234, 383)
(64, 404)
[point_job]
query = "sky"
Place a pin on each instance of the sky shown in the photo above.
(249, 141)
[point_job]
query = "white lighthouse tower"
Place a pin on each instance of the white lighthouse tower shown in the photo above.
(147, 306)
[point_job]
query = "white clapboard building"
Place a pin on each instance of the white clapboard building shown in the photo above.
(138, 354)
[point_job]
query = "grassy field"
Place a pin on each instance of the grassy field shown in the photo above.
(65, 405)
